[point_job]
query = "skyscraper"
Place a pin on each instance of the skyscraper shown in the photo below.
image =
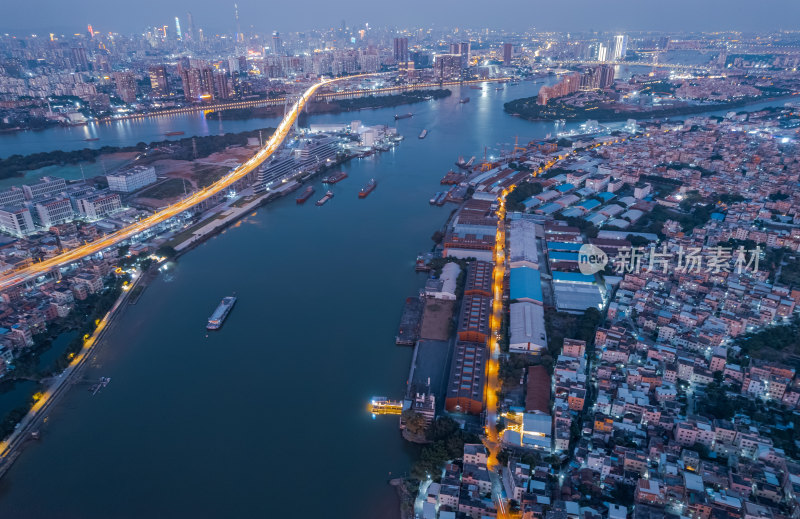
(239, 35)
(126, 86)
(189, 26)
(401, 50)
(178, 28)
(158, 80)
(620, 47)
(508, 53)
(277, 44)
(198, 81)
(79, 57)
(602, 52)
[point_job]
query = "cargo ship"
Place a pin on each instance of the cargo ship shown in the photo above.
(305, 195)
(369, 188)
(336, 177)
(423, 134)
(222, 311)
(325, 198)
(171, 134)
(464, 100)
(403, 116)
(92, 139)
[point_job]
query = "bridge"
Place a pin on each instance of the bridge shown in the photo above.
(672, 66)
(277, 101)
(65, 258)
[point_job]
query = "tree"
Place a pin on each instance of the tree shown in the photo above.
(415, 422)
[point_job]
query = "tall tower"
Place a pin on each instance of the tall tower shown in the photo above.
(277, 44)
(189, 26)
(239, 35)
(178, 28)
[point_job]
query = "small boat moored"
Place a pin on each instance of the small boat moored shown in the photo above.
(369, 188)
(336, 177)
(305, 195)
(423, 134)
(325, 198)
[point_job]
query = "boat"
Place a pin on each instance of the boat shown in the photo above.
(403, 116)
(91, 139)
(305, 195)
(325, 198)
(336, 177)
(464, 100)
(171, 134)
(499, 88)
(423, 134)
(369, 188)
(476, 87)
(435, 198)
(222, 311)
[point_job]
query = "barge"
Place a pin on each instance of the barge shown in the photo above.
(325, 198)
(369, 188)
(336, 177)
(403, 116)
(305, 195)
(221, 313)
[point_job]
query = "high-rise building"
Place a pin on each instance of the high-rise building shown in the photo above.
(602, 52)
(465, 49)
(620, 47)
(239, 34)
(508, 53)
(178, 28)
(401, 50)
(221, 87)
(447, 66)
(79, 57)
(189, 26)
(277, 44)
(126, 86)
(158, 80)
(198, 81)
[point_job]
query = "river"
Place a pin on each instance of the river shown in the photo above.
(266, 417)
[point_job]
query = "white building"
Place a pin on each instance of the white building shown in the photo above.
(47, 187)
(97, 206)
(16, 221)
(54, 211)
(129, 180)
(526, 329)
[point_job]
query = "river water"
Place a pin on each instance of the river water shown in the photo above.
(266, 417)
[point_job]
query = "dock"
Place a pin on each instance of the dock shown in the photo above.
(382, 405)
(408, 332)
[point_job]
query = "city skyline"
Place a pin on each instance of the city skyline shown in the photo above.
(584, 15)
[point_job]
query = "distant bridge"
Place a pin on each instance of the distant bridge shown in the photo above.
(675, 66)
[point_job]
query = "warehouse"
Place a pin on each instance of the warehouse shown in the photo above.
(525, 285)
(522, 244)
(526, 329)
(467, 376)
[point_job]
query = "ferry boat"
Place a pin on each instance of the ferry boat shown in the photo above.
(382, 405)
(336, 177)
(423, 134)
(464, 100)
(305, 195)
(403, 116)
(325, 198)
(369, 188)
(171, 134)
(221, 313)
(92, 139)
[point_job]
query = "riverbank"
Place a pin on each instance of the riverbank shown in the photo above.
(526, 108)
(187, 148)
(27, 428)
(336, 106)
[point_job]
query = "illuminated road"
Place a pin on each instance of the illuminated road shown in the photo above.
(342, 94)
(65, 258)
(9, 448)
(492, 440)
